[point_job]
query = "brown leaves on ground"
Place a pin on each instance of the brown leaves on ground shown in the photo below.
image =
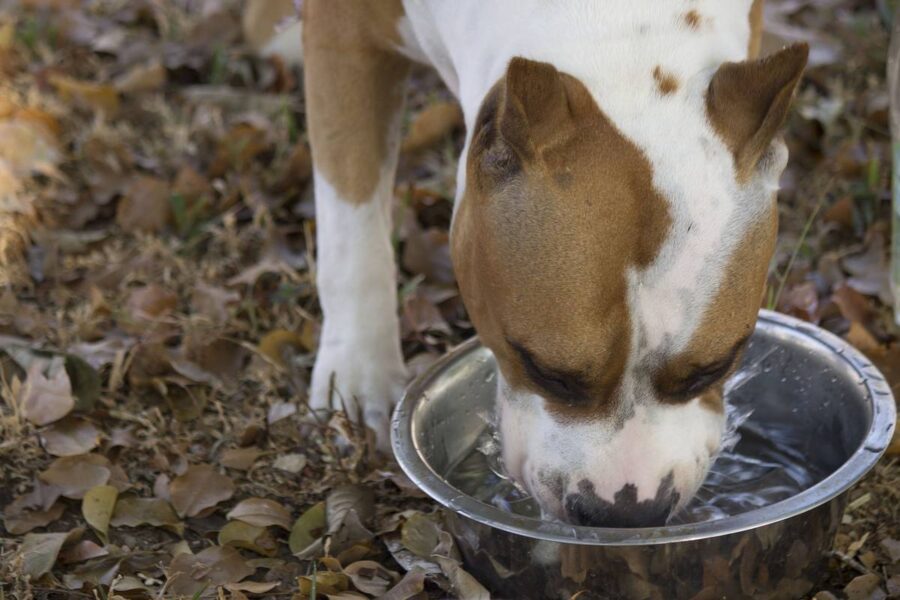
(199, 488)
(151, 302)
(97, 506)
(435, 122)
(261, 512)
(145, 206)
(97, 96)
(47, 395)
(191, 574)
(70, 437)
(40, 550)
(73, 476)
(133, 511)
(18, 518)
(279, 345)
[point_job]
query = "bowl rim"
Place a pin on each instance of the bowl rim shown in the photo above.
(864, 458)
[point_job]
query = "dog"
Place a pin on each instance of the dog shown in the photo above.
(615, 218)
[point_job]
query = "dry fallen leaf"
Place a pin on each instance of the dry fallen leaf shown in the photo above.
(103, 352)
(70, 436)
(213, 302)
(239, 147)
(462, 581)
(420, 535)
(297, 168)
(261, 512)
(412, 584)
(147, 77)
(891, 547)
(860, 338)
(344, 500)
(191, 185)
(854, 306)
(279, 345)
(239, 458)
(97, 507)
(869, 270)
(252, 587)
(370, 577)
(199, 488)
(152, 301)
(190, 574)
(98, 96)
(223, 358)
(308, 528)
(19, 518)
(82, 551)
(244, 535)
(290, 463)
(40, 550)
(864, 587)
(26, 148)
(47, 395)
(145, 205)
(132, 511)
(75, 475)
(801, 300)
(431, 125)
(325, 582)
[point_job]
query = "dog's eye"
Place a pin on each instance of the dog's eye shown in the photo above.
(702, 378)
(568, 387)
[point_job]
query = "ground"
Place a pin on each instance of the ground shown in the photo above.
(158, 317)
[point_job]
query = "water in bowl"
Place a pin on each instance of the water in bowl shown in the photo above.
(759, 464)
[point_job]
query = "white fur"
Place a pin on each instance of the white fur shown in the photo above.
(655, 441)
(356, 279)
(613, 48)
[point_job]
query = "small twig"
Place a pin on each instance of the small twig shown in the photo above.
(850, 562)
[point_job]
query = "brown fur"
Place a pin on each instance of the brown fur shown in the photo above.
(756, 28)
(713, 399)
(693, 19)
(747, 103)
(355, 88)
(666, 83)
(558, 205)
(731, 315)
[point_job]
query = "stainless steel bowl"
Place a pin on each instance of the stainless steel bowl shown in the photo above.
(844, 415)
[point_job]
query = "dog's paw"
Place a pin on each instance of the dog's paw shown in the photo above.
(364, 383)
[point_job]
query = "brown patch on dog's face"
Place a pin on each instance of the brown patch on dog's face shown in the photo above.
(666, 83)
(558, 206)
(719, 340)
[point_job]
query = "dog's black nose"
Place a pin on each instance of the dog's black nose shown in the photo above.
(586, 508)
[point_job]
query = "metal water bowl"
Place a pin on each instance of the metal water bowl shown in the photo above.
(844, 415)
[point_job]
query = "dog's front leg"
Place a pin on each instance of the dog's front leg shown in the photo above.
(354, 97)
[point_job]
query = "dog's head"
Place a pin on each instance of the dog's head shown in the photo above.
(617, 277)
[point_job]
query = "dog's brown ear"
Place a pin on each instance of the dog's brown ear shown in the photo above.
(533, 105)
(747, 102)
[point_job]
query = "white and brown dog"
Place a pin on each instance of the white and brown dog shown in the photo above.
(614, 222)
